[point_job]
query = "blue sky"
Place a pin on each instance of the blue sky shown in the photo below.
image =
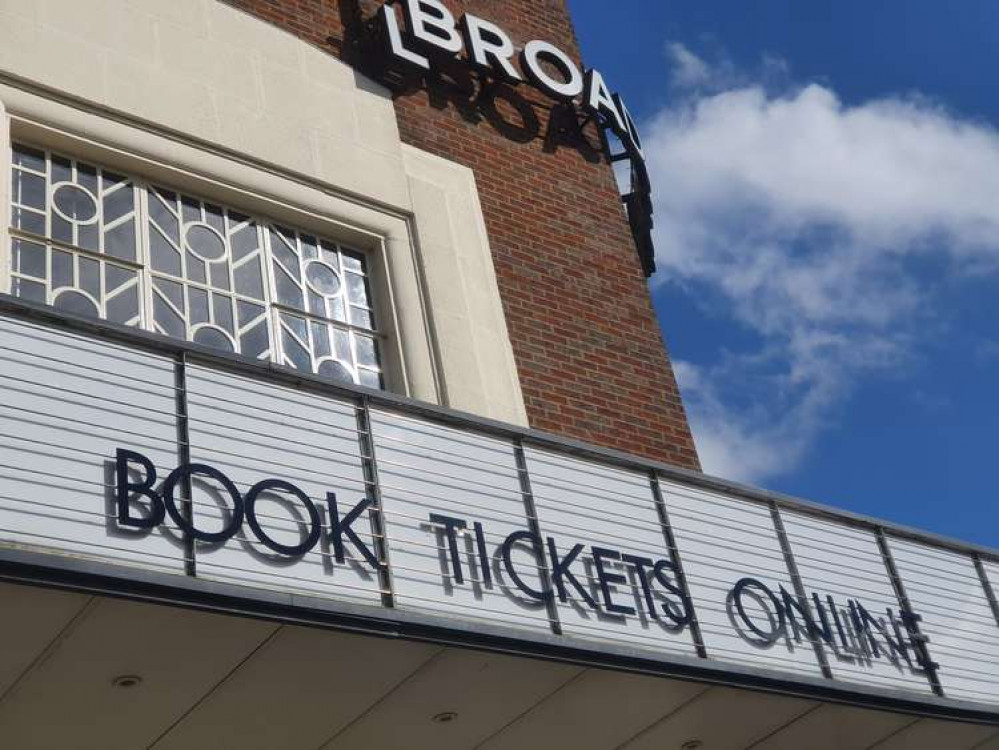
(827, 178)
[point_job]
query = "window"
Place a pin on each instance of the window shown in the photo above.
(99, 243)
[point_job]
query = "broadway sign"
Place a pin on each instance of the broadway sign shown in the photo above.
(478, 63)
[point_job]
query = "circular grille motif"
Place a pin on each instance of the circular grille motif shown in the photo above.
(322, 279)
(205, 242)
(335, 371)
(213, 337)
(76, 302)
(74, 204)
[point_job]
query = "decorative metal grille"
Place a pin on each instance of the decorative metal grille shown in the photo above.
(324, 308)
(207, 269)
(74, 236)
(97, 243)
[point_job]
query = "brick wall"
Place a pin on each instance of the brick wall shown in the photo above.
(591, 358)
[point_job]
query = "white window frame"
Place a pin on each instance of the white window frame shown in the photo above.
(391, 351)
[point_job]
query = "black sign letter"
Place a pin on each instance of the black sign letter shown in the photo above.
(124, 488)
(451, 525)
(561, 573)
(606, 579)
(507, 552)
(777, 620)
(315, 522)
(682, 618)
(210, 537)
(338, 528)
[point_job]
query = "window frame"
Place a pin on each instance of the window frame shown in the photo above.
(301, 221)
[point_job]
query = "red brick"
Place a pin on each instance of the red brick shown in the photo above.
(590, 355)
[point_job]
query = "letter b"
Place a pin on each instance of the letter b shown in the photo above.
(125, 488)
(430, 22)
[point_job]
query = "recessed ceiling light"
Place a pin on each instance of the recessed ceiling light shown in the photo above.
(445, 718)
(127, 681)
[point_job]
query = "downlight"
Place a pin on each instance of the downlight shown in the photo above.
(126, 681)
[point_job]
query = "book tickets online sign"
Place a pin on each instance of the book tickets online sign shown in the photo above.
(202, 469)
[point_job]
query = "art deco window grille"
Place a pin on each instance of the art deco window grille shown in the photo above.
(96, 242)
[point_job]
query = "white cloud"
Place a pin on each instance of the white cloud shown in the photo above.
(689, 70)
(805, 220)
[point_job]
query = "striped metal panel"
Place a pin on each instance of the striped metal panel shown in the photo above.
(72, 399)
(843, 565)
(581, 502)
(724, 540)
(69, 402)
(946, 591)
(428, 470)
(254, 431)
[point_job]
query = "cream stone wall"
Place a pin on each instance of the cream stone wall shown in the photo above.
(213, 100)
(206, 71)
(461, 283)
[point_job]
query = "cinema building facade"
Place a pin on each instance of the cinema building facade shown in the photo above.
(336, 415)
